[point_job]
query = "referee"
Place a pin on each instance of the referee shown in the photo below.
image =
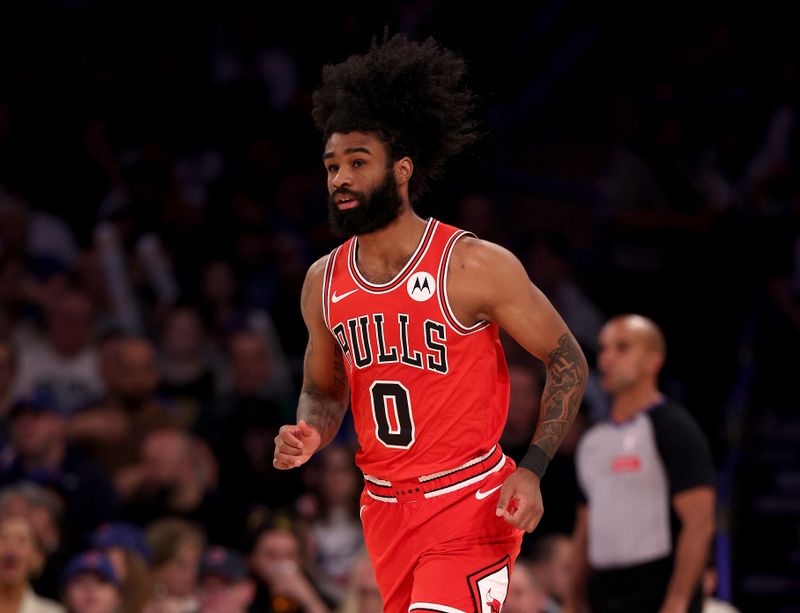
(645, 524)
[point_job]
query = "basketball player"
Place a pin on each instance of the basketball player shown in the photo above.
(403, 318)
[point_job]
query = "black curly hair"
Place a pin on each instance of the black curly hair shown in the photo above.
(410, 95)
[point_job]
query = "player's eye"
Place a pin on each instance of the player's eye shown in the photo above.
(332, 168)
(359, 163)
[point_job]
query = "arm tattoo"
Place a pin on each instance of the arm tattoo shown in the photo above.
(315, 406)
(567, 373)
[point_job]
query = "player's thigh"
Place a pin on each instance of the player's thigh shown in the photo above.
(473, 577)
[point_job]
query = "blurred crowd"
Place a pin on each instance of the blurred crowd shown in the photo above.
(161, 198)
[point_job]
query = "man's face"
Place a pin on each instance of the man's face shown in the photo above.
(625, 359)
(364, 196)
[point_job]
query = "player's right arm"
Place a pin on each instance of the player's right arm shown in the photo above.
(324, 396)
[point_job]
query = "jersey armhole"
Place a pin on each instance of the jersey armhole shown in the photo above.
(444, 301)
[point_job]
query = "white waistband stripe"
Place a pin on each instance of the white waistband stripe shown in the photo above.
(475, 479)
(434, 607)
(472, 462)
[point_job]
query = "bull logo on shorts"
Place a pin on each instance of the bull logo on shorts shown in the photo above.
(493, 603)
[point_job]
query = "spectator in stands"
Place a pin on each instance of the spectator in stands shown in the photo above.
(550, 563)
(39, 452)
(44, 509)
(127, 549)
(177, 547)
(22, 557)
(334, 525)
(548, 264)
(276, 561)
(254, 370)
(113, 430)
(525, 595)
(91, 585)
(363, 594)
(178, 477)
(34, 236)
(64, 362)
(225, 584)
(186, 359)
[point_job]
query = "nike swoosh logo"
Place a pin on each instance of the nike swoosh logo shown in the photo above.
(481, 495)
(336, 298)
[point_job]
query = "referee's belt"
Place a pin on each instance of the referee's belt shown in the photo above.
(429, 486)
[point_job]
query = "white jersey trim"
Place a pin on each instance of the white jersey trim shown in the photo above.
(444, 301)
(327, 281)
(381, 288)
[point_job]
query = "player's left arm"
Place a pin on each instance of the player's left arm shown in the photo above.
(488, 282)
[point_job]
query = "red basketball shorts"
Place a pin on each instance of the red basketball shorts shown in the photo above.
(436, 543)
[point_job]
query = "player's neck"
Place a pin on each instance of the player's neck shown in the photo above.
(630, 402)
(393, 244)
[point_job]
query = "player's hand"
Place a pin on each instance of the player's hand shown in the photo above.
(294, 445)
(520, 501)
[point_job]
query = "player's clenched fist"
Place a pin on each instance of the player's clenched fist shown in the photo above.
(520, 501)
(295, 444)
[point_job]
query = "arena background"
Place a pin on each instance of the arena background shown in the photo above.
(643, 157)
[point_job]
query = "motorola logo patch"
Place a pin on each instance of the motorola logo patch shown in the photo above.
(421, 286)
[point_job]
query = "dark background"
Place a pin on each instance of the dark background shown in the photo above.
(653, 148)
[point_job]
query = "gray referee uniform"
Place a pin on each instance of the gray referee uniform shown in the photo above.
(628, 473)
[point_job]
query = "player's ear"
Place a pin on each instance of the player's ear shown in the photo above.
(403, 169)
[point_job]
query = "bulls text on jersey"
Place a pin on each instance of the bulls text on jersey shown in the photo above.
(363, 341)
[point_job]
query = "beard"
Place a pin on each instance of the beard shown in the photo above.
(375, 210)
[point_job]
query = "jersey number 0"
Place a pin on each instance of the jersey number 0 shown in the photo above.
(391, 409)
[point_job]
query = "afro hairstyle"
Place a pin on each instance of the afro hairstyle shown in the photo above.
(410, 95)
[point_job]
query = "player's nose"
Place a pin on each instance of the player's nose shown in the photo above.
(341, 178)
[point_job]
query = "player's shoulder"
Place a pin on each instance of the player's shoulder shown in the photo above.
(313, 284)
(477, 255)
(317, 269)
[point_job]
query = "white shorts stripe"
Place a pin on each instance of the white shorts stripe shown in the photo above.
(382, 498)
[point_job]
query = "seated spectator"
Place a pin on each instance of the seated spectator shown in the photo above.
(22, 557)
(64, 363)
(363, 594)
(113, 430)
(225, 584)
(91, 585)
(255, 372)
(178, 476)
(177, 547)
(524, 594)
(551, 565)
(334, 525)
(39, 452)
(276, 563)
(44, 509)
(126, 547)
(187, 362)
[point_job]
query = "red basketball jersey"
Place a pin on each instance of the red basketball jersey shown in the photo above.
(427, 393)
